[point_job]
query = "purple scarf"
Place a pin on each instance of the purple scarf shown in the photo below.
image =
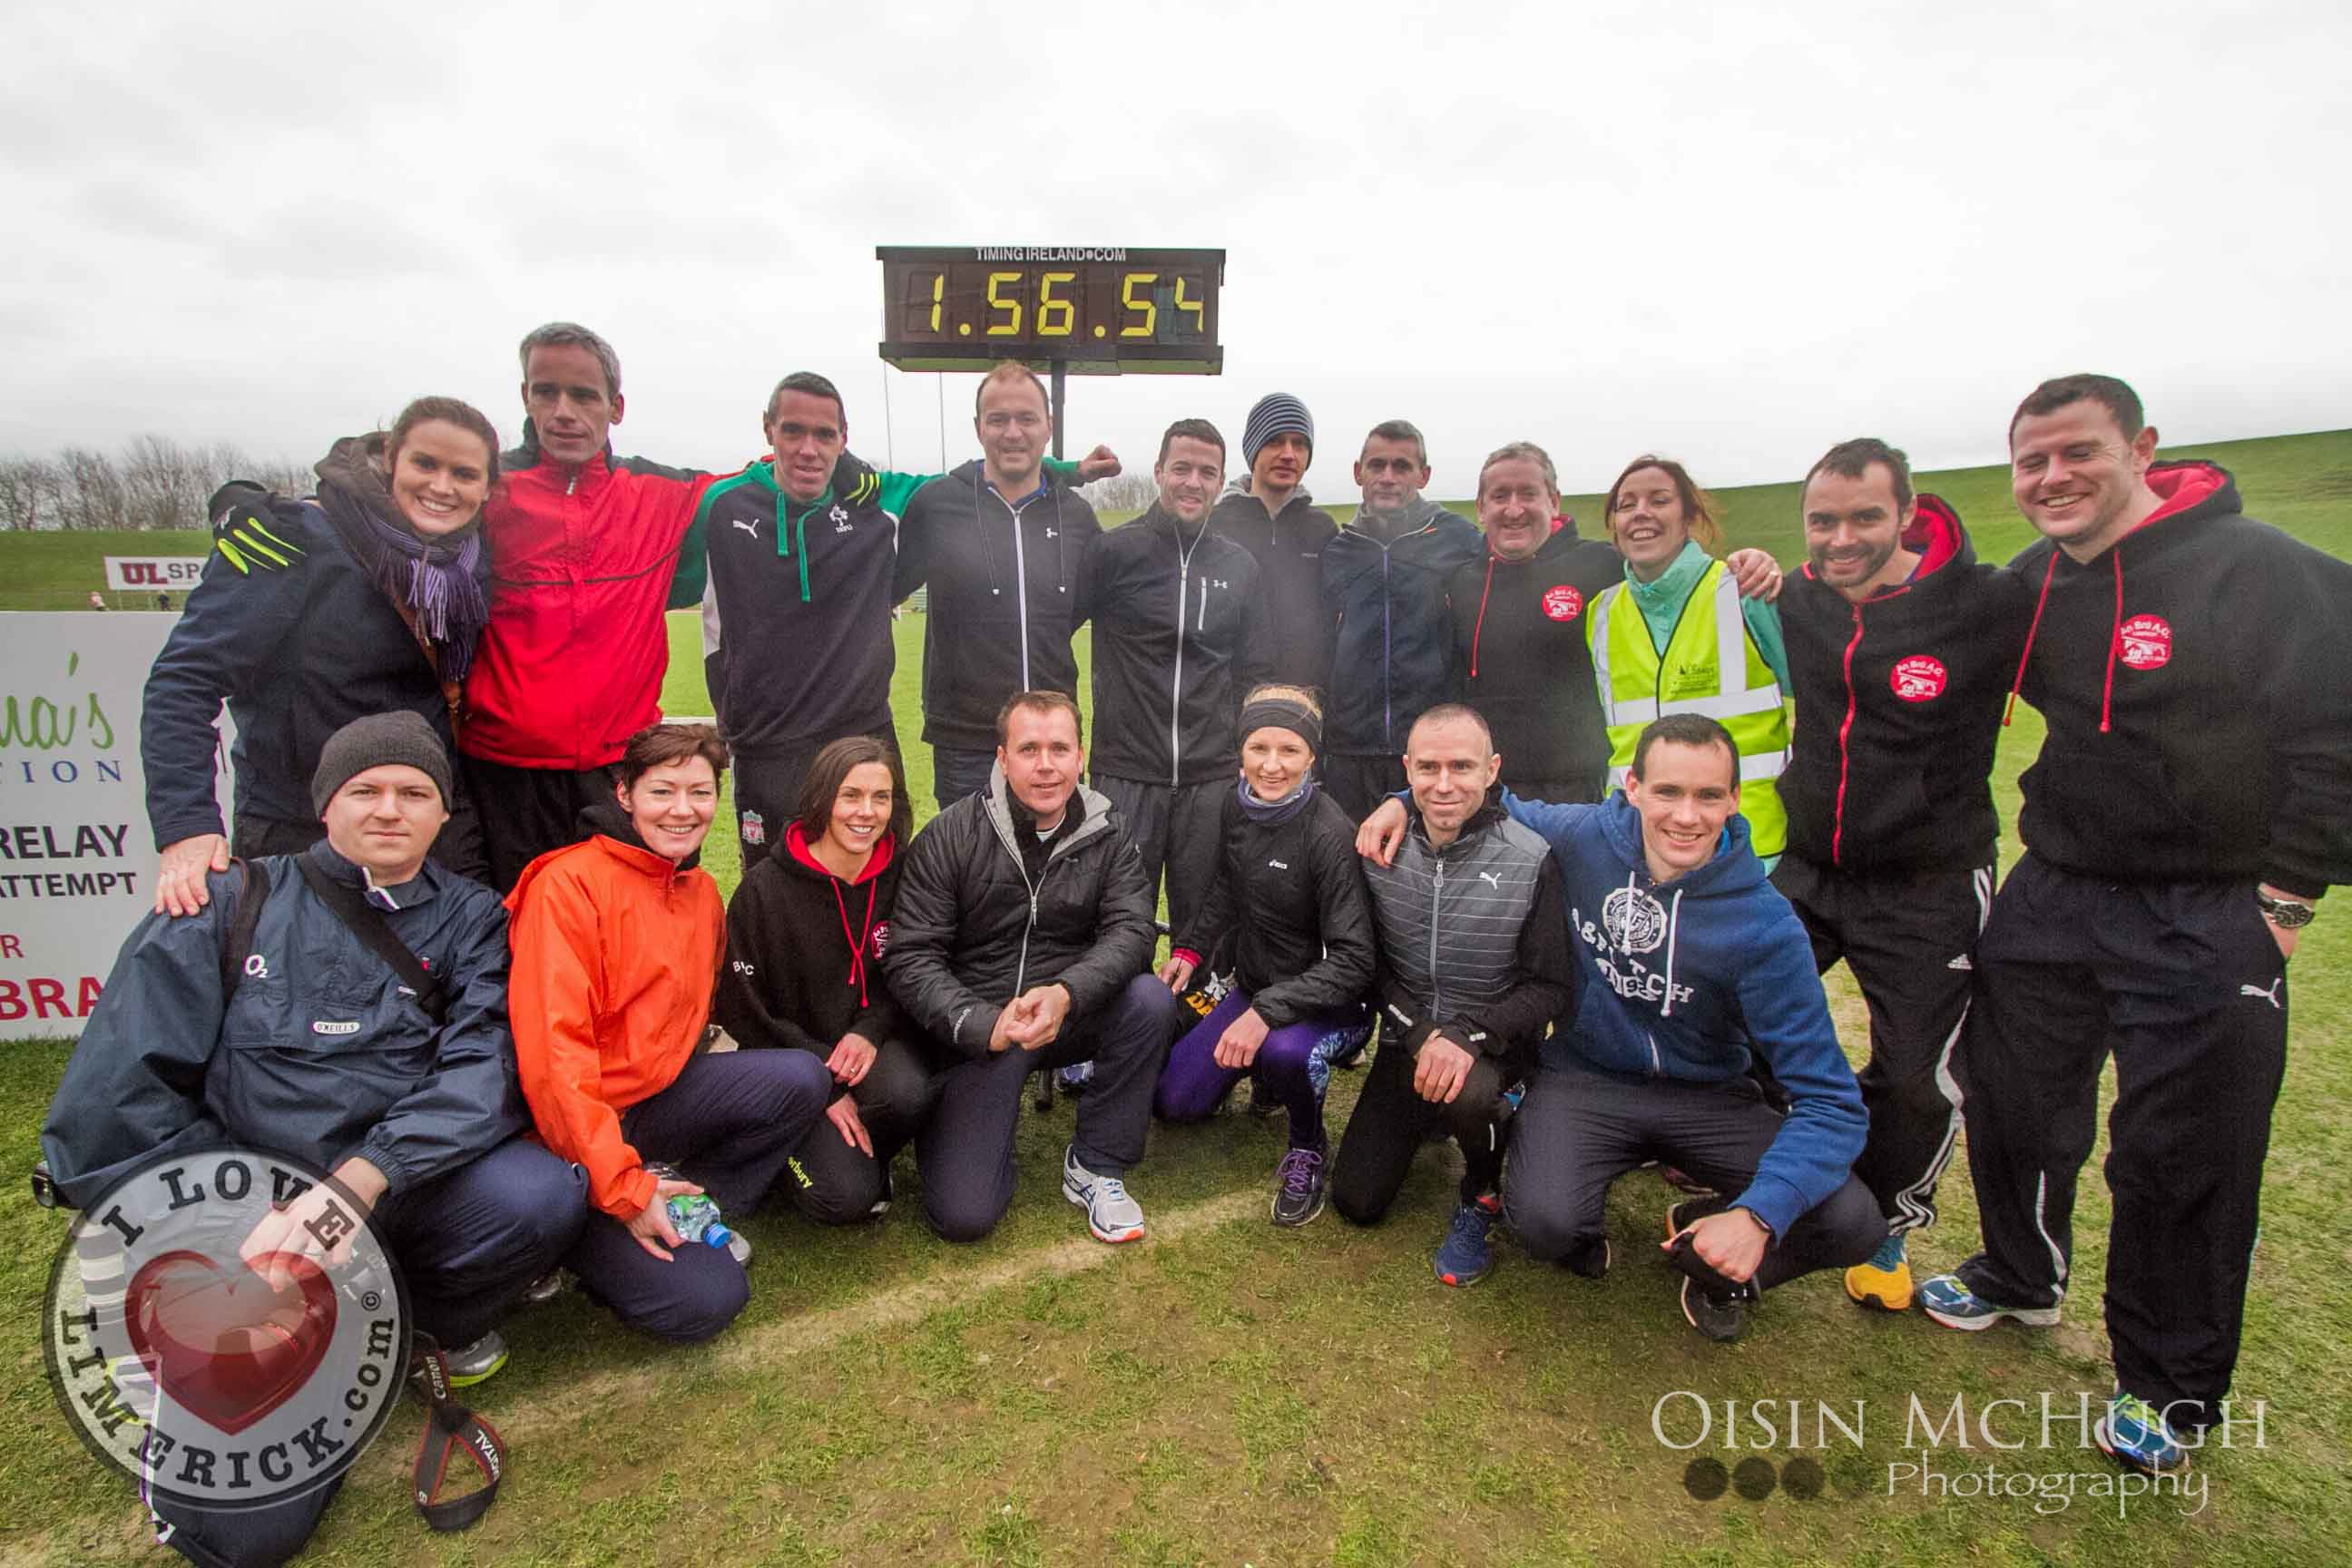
(1269, 813)
(439, 582)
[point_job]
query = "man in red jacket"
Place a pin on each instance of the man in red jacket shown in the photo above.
(587, 552)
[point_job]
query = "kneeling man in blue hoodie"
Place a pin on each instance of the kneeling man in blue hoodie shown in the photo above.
(1690, 967)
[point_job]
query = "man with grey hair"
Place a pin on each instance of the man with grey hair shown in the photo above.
(1384, 596)
(590, 551)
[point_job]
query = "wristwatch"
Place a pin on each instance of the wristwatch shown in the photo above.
(2287, 914)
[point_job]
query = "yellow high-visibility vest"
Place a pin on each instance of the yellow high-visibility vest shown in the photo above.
(1637, 685)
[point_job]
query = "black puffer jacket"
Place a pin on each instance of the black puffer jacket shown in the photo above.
(321, 1053)
(1007, 592)
(1293, 895)
(804, 951)
(976, 926)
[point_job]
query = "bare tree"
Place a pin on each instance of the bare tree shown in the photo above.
(31, 493)
(1129, 491)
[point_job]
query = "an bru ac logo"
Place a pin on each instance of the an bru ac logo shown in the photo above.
(1634, 921)
(1918, 679)
(2145, 642)
(881, 938)
(1562, 602)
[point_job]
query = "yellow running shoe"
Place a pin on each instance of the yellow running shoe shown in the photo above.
(1883, 1282)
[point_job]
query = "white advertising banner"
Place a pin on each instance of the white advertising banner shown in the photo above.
(164, 573)
(77, 861)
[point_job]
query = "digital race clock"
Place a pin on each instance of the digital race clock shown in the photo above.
(1089, 309)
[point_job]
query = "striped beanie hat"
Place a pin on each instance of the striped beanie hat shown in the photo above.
(1277, 413)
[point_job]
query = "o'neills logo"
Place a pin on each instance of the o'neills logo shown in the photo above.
(2145, 642)
(1562, 603)
(1918, 679)
(225, 1329)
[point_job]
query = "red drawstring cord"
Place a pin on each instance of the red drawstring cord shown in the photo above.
(1481, 625)
(856, 942)
(2019, 684)
(2114, 636)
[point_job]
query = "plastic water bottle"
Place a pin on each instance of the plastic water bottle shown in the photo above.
(694, 1214)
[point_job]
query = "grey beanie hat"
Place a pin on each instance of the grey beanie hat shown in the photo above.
(1276, 413)
(379, 739)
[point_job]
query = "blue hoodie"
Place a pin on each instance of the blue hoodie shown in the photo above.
(1690, 979)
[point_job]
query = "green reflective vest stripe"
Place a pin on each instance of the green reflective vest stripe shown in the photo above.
(1638, 685)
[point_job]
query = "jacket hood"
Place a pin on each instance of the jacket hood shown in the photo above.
(793, 853)
(355, 464)
(606, 819)
(1562, 539)
(998, 802)
(1239, 485)
(1936, 536)
(2188, 493)
(1731, 871)
(1415, 515)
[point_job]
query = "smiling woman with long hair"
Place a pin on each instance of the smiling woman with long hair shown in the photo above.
(367, 598)
(805, 936)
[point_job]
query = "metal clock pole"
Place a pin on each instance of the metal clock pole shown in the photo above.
(1061, 371)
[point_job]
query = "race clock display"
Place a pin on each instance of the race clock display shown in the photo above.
(1088, 310)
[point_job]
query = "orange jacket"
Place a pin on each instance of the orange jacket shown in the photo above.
(617, 954)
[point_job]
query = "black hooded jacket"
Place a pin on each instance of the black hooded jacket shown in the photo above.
(1006, 592)
(1288, 549)
(1518, 641)
(1384, 591)
(1292, 895)
(1179, 638)
(804, 951)
(2200, 721)
(1899, 707)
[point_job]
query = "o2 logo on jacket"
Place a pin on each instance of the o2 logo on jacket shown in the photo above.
(2145, 642)
(1918, 679)
(1562, 601)
(1632, 920)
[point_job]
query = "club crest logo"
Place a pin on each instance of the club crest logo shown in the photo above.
(225, 1328)
(1634, 921)
(752, 826)
(881, 938)
(2145, 642)
(1562, 603)
(1918, 679)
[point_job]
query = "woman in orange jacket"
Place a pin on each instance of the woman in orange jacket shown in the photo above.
(617, 942)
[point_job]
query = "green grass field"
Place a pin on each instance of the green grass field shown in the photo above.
(1227, 1394)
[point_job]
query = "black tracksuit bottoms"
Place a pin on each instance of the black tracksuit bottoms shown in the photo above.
(1909, 939)
(965, 1148)
(526, 812)
(1360, 784)
(767, 783)
(1577, 1132)
(1385, 1130)
(2184, 983)
(1177, 828)
(831, 1181)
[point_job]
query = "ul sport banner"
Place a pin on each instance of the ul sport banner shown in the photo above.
(77, 861)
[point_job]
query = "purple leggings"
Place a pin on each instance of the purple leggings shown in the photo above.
(1294, 1066)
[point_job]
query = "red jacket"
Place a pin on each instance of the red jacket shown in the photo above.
(584, 561)
(615, 957)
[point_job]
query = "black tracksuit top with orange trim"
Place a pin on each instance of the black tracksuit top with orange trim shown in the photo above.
(2194, 678)
(1899, 707)
(1518, 641)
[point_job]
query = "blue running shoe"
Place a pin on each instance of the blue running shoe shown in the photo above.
(2134, 1434)
(1947, 1298)
(1466, 1255)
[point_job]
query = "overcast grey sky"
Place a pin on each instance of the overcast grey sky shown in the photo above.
(1735, 236)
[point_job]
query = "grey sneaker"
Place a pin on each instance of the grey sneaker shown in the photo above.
(478, 1360)
(1301, 1183)
(1111, 1215)
(546, 1288)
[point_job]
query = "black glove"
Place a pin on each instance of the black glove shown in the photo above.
(854, 484)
